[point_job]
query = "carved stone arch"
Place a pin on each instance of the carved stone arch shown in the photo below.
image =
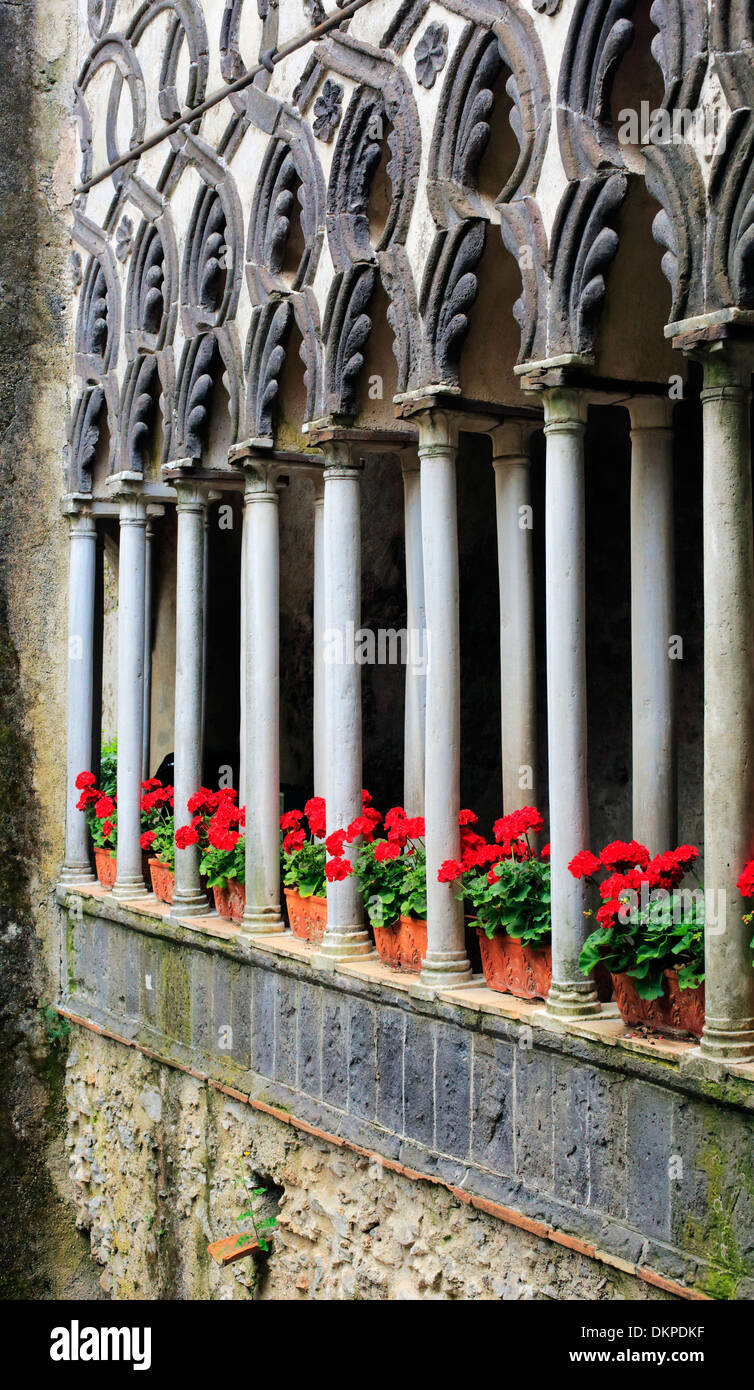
(680, 48)
(290, 171)
(205, 358)
(99, 13)
(600, 33)
(267, 349)
(524, 236)
(232, 61)
(212, 258)
(732, 41)
(152, 292)
(674, 178)
(140, 402)
(356, 156)
(98, 320)
(96, 404)
(346, 327)
(731, 221)
(188, 25)
(448, 292)
(462, 130)
(583, 244)
(112, 49)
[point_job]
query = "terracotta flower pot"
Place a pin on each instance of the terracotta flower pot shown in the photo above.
(105, 864)
(163, 880)
(237, 896)
(511, 968)
(403, 945)
(307, 916)
(221, 894)
(678, 1013)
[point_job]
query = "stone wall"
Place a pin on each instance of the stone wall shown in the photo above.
(42, 1253)
(155, 1155)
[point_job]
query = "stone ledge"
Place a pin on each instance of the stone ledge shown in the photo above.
(652, 1058)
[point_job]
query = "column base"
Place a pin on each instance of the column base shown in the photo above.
(134, 887)
(188, 904)
(72, 874)
(262, 921)
(441, 970)
(572, 999)
(342, 943)
(722, 1043)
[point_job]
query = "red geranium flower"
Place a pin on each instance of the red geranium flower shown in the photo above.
(584, 865)
(104, 807)
(449, 871)
(467, 818)
(185, 836)
(147, 839)
(334, 843)
(314, 810)
(621, 855)
(291, 820)
(607, 914)
(337, 869)
(84, 780)
(545, 852)
(745, 884)
(294, 841)
(387, 849)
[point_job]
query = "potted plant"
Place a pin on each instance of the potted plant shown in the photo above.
(219, 824)
(303, 866)
(101, 816)
(506, 885)
(392, 875)
(157, 838)
(650, 934)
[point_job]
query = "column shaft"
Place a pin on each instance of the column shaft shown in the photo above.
(129, 881)
(81, 602)
(728, 703)
(345, 935)
(415, 710)
(446, 962)
(518, 690)
(261, 569)
(652, 624)
(318, 640)
(188, 898)
(571, 995)
(147, 725)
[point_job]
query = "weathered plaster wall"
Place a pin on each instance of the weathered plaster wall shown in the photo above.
(42, 1253)
(155, 1155)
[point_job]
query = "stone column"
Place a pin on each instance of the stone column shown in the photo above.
(129, 881)
(728, 701)
(318, 638)
(261, 568)
(415, 709)
(518, 690)
(242, 684)
(446, 962)
(652, 623)
(346, 935)
(571, 995)
(82, 573)
(188, 898)
(147, 726)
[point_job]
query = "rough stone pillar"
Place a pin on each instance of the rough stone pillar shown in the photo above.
(261, 570)
(446, 962)
(129, 881)
(148, 575)
(416, 622)
(518, 691)
(346, 934)
(571, 995)
(318, 731)
(655, 809)
(81, 601)
(188, 898)
(728, 701)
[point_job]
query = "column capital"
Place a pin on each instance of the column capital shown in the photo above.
(650, 413)
(727, 363)
(260, 481)
(82, 523)
(438, 432)
(566, 410)
(341, 460)
(410, 461)
(191, 495)
(511, 441)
